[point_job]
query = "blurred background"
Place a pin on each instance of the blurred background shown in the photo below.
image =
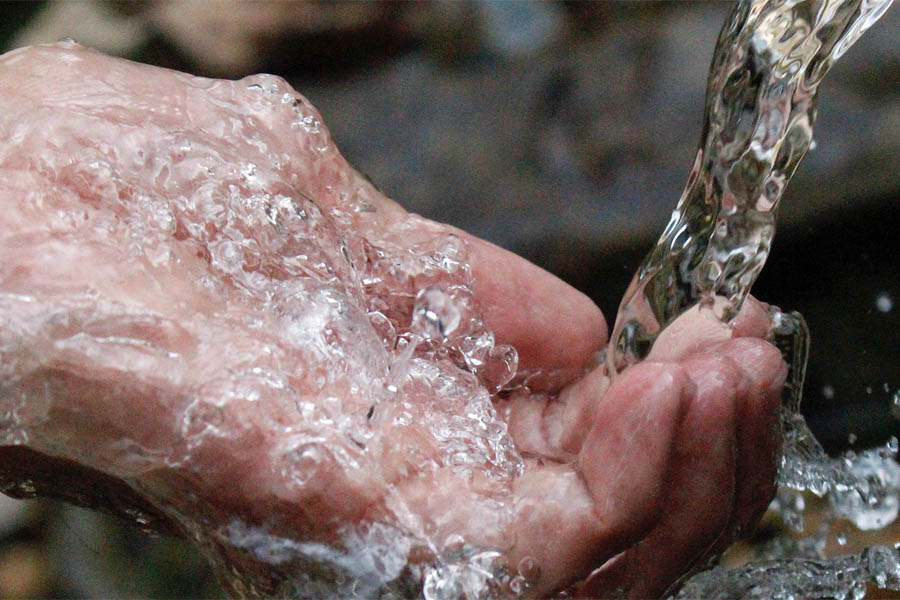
(561, 131)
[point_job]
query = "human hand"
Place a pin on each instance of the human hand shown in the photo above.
(202, 300)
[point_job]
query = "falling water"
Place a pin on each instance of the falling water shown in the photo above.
(760, 109)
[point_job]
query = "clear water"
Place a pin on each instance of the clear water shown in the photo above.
(760, 110)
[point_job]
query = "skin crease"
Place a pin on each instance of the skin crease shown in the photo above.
(626, 484)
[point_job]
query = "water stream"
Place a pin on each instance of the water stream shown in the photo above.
(760, 110)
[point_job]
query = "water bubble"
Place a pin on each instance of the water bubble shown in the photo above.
(384, 328)
(529, 570)
(455, 546)
(517, 585)
(248, 172)
(201, 419)
(500, 366)
(403, 419)
(304, 461)
(884, 303)
(435, 314)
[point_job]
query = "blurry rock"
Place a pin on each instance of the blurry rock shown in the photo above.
(95, 556)
(520, 28)
(224, 37)
(93, 22)
(14, 514)
(229, 36)
(24, 571)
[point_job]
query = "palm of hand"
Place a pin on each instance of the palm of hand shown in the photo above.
(200, 297)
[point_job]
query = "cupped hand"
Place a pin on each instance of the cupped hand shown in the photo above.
(200, 299)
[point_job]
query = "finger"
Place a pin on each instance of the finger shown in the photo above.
(554, 327)
(699, 490)
(570, 521)
(758, 432)
(555, 427)
(753, 320)
(699, 330)
(628, 452)
(695, 330)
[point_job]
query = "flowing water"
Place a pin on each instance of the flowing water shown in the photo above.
(760, 110)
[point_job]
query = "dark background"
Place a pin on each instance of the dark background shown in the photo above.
(563, 132)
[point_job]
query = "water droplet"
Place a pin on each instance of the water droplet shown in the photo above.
(841, 539)
(403, 419)
(893, 445)
(828, 391)
(384, 328)
(500, 366)
(435, 314)
(884, 302)
(529, 569)
(304, 461)
(851, 438)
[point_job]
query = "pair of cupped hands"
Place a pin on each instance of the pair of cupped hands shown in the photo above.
(187, 288)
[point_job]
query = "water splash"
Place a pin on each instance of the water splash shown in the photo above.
(843, 577)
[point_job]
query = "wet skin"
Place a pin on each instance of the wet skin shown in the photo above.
(625, 485)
